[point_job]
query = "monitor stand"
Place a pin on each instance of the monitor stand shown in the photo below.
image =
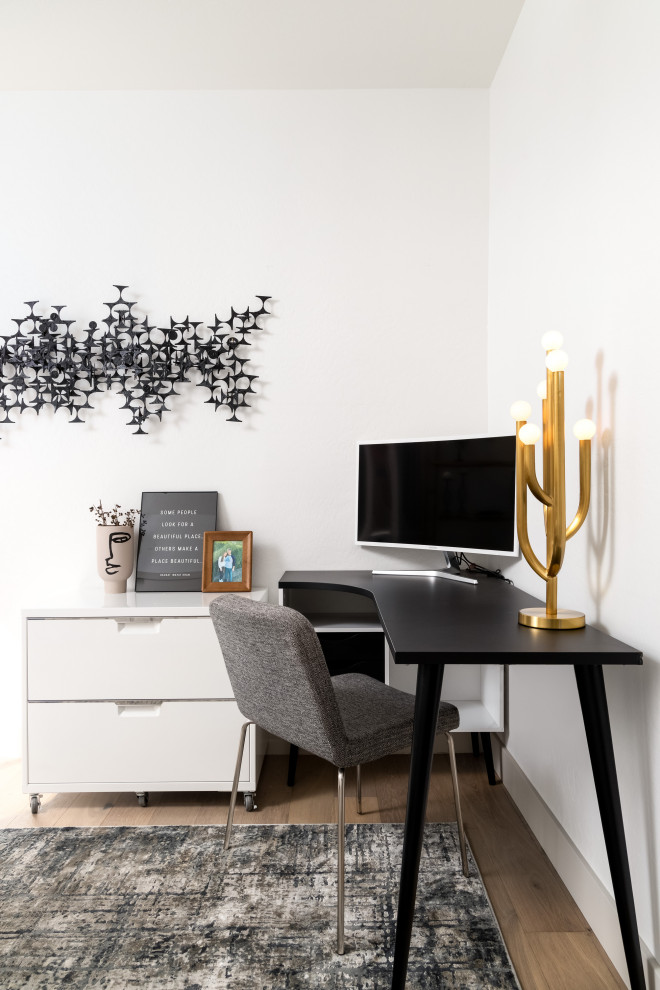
(450, 574)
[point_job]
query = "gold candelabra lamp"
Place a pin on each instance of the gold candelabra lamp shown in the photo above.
(552, 494)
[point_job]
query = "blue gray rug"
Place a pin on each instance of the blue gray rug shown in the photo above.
(163, 908)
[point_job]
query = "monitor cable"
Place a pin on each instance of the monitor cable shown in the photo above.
(456, 559)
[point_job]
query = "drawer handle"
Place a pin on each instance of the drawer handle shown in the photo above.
(138, 709)
(138, 627)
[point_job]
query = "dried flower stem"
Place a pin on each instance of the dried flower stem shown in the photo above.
(114, 517)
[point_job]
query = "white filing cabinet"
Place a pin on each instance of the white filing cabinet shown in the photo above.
(130, 693)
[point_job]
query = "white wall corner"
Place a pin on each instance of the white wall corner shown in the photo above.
(586, 889)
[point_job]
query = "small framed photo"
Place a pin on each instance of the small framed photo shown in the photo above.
(227, 564)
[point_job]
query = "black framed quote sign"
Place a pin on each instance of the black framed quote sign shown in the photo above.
(171, 544)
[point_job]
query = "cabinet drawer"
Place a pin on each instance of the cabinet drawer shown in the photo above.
(106, 743)
(89, 659)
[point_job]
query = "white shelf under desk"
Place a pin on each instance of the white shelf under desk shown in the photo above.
(477, 690)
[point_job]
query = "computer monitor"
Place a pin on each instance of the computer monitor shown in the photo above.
(455, 494)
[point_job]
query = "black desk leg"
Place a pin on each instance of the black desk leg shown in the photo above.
(488, 757)
(591, 688)
(488, 753)
(427, 700)
(293, 763)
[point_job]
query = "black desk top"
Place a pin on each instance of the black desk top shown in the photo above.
(431, 620)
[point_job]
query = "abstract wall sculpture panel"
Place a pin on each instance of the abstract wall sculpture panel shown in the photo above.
(50, 361)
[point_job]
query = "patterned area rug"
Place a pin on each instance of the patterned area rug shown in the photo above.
(163, 908)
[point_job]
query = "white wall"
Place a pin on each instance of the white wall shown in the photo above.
(220, 44)
(574, 246)
(364, 214)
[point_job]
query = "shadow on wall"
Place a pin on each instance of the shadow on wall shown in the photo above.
(602, 515)
(601, 523)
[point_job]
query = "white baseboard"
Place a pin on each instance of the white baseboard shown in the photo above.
(587, 890)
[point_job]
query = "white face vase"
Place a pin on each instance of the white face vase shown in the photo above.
(114, 556)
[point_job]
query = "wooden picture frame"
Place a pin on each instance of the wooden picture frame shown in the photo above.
(227, 563)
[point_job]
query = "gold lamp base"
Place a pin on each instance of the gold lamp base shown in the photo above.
(538, 618)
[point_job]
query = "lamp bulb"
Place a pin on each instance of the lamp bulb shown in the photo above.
(521, 410)
(529, 434)
(584, 429)
(552, 340)
(556, 360)
(542, 389)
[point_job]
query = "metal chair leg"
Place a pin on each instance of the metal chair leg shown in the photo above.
(340, 860)
(237, 774)
(359, 788)
(457, 802)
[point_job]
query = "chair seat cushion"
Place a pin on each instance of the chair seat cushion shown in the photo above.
(378, 719)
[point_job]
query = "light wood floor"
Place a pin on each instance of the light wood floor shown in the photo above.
(549, 941)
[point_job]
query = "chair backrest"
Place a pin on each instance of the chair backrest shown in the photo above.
(278, 673)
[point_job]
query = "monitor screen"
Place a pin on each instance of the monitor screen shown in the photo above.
(451, 494)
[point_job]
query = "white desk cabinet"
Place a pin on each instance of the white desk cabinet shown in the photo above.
(477, 690)
(130, 693)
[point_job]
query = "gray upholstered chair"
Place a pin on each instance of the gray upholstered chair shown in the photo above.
(281, 683)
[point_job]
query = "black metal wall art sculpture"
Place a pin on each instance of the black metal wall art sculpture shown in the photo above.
(48, 362)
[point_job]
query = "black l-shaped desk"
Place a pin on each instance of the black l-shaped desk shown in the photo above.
(431, 622)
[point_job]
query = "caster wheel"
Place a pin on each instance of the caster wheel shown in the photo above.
(249, 802)
(35, 803)
(143, 799)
